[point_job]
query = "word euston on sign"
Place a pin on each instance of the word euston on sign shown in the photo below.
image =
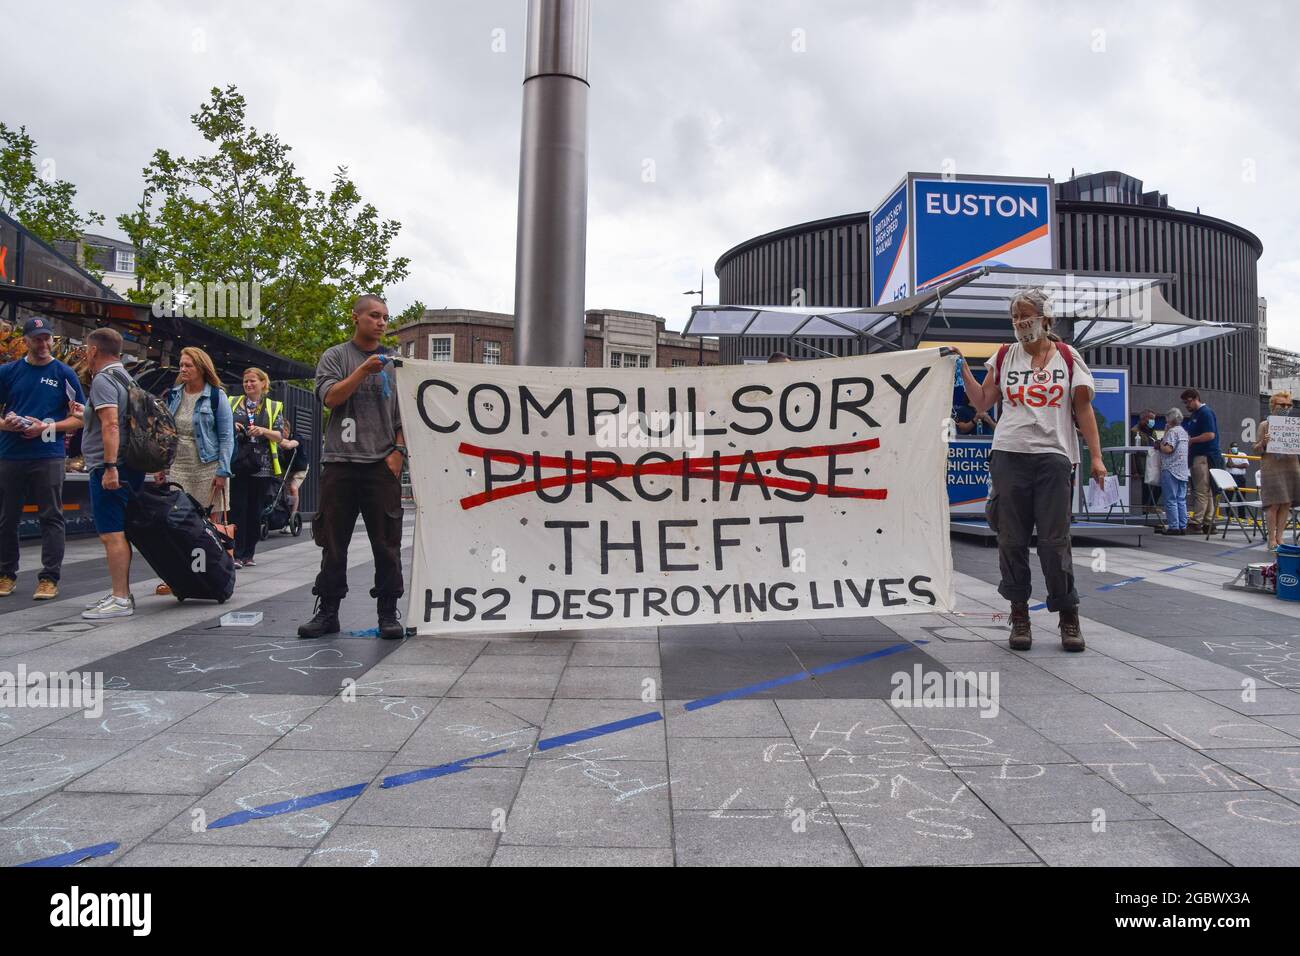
(791, 490)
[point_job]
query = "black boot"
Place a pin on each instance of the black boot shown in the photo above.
(390, 624)
(326, 620)
(1021, 635)
(1071, 634)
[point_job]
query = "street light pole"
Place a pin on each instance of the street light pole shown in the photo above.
(700, 293)
(551, 243)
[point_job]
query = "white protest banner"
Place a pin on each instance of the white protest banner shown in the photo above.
(1283, 435)
(555, 499)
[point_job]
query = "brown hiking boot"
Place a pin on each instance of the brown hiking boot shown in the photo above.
(1021, 636)
(1071, 635)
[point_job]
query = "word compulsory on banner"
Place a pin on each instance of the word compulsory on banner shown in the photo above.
(577, 498)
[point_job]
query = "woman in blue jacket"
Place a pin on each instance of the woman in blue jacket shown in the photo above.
(205, 427)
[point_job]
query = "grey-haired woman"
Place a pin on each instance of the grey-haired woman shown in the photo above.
(1174, 473)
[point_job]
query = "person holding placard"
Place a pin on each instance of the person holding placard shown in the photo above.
(1280, 475)
(1045, 389)
(1174, 473)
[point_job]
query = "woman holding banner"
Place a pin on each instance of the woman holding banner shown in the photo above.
(1279, 483)
(1045, 389)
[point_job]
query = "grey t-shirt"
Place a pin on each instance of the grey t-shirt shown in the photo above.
(106, 389)
(363, 428)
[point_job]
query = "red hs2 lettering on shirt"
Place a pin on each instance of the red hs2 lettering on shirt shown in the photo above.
(1035, 388)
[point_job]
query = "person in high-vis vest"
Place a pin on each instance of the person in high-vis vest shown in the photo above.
(259, 425)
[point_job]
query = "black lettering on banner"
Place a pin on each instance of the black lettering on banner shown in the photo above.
(607, 481)
(781, 521)
(749, 461)
(572, 609)
(491, 478)
(593, 412)
(527, 400)
(568, 527)
(537, 614)
(472, 402)
(762, 410)
(643, 420)
(690, 592)
(636, 476)
(606, 546)
(800, 475)
(653, 600)
(463, 596)
(431, 604)
(863, 597)
(566, 488)
(665, 545)
(904, 393)
(424, 412)
(691, 416)
(790, 604)
(831, 472)
(755, 597)
(922, 591)
(494, 613)
(817, 603)
(784, 407)
(716, 595)
(719, 542)
(853, 407)
(887, 596)
(597, 597)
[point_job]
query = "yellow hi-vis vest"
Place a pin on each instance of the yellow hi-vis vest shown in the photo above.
(273, 410)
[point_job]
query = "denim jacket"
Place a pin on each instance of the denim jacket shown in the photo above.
(214, 438)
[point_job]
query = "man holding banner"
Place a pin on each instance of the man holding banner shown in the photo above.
(1045, 389)
(361, 471)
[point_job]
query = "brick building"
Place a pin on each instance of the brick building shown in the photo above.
(615, 339)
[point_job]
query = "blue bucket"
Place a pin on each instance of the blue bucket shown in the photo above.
(1288, 572)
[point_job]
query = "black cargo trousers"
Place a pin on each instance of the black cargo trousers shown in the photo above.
(1033, 490)
(371, 490)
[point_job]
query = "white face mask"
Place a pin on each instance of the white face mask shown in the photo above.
(1029, 333)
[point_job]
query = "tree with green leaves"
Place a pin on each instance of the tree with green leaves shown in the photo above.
(35, 196)
(242, 214)
(412, 313)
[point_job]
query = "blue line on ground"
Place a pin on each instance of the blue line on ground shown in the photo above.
(288, 806)
(442, 770)
(73, 857)
(599, 731)
(1037, 607)
(1178, 567)
(792, 678)
(1119, 584)
(1248, 547)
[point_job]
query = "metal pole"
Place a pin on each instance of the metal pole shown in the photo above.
(551, 244)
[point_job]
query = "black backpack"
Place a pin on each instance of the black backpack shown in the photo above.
(148, 441)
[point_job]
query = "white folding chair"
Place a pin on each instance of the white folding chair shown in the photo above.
(1232, 507)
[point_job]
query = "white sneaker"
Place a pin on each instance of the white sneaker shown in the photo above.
(104, 597)
(110, 607)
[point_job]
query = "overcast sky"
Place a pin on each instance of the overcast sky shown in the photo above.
(756, 115)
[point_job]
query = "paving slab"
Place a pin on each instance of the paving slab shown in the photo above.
(32, 767)
(348, 845)
(363, 723)
(728, 718)
(582, 799)
(130, 715)
(173, 763)
(63, 822)
(1137, 843)
(254, 714)
(624, 654)
(742, 773)
(1244, 829)
(460, 728)
(1158, 766)
(510, 676)
(276, 776)
(179, 855)
(1061, 793)
(760, 838)
(580, 856)
(644, 742)
(627, 683)
(1277, 769)
(1197, 722)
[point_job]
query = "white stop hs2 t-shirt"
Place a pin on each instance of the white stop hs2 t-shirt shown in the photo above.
(1037, 406)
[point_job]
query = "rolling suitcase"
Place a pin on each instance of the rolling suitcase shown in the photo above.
(181, 544)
